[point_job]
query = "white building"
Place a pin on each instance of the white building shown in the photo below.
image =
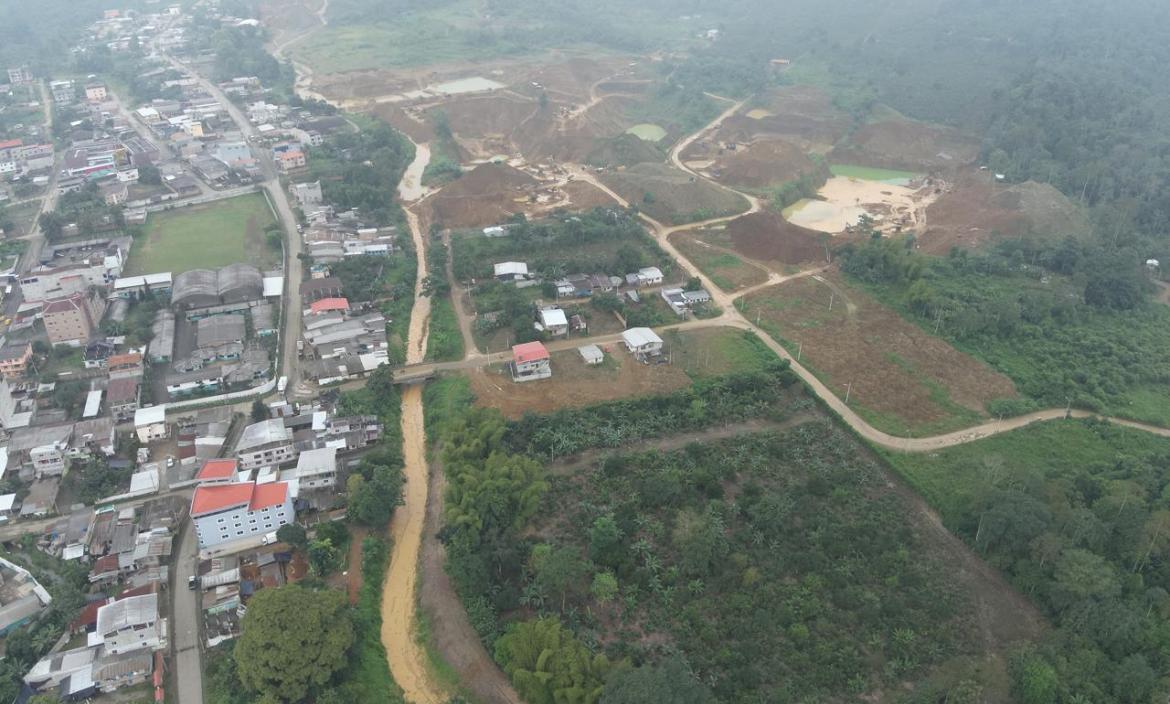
(151, 423)
(642, 342)
(511, 271)
(226, 512)
(553, 321)
(316, 469)
(265, 444)
(649, 276)
(130, 624)
(530, 361)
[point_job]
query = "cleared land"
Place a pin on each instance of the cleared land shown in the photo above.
(206, 236)
(694, 354)
(672, 196)
(906, 145)
(728, 271)
(843, 200)
(899, 378)
(758, 165)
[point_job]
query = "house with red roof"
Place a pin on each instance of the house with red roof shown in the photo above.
(326, 305)
(530, 361)
(234, 511)
(218, 471)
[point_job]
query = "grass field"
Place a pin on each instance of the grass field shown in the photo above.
(206, 236)
(726, 270)
(899, 378)
(866, 173)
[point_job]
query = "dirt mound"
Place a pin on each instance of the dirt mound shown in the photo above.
(801, 114)
(484, 196)
(586, 196)
(765, 163)
(767, 237)
(484, 125)
(976, 211)
(546, 136)
(902, 144)
(669, 195)
(623, 150)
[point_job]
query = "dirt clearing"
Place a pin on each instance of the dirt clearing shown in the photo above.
(842, 201)
(898, 377)
(672, 196)
(761, 164)
(487, 195)
(802, 115)
(976, 211)
(725, 269)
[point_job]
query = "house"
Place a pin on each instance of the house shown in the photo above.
(509, 272)
(226, 512)
(72, 320)
(290, 161)
(14, 359)
(21, 597)
(8, 507)
(592, 354)
(95, 92)
(316, 469)
(265, 444)
(63, 92)
(698, 297)
(122, 397)
(552, 321)
(96, 353)
(130, 624)
(577, 323)
(1153, 264)
(218, 471)
(151, 423)
(649, 276)
(495, 231)
(530, 361)
(124, 365)
(674, 298)
(642, 342)
(600, 283)
(115, 193)
(326, 305)
(316, 289)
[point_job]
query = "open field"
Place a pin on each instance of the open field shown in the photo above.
(768, 238)
(672, 196)
(648, 132)
(907, 145)
(899, 378)
(726, 270)
(799, 114)
(694, 354)
(758, 165)
(206, 236)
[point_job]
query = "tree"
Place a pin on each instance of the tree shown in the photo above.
(558, 571)
(292, 642)
(259, 411)
(669, 681)
(372, 501)
(548, 665)
(293, 534)
(323, 557)
(604, 587)
(605, 542)
(1033, 680)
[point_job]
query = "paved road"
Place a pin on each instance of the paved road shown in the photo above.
(293, 270)
(185, 625)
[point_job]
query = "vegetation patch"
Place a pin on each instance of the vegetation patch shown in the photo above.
(207, 237)
(866, 173)
(726, 270)
(1074, 512)
(648, 132)
(672, 196)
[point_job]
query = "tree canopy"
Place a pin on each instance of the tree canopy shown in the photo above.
(293, 641)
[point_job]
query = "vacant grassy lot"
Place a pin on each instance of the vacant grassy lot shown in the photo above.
(866, 173)
(899, 378)
(206, 236)
(725, 269)
(672, 196)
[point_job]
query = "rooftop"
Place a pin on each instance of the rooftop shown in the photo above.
(262, 433)
(210, 499)
(127, 613)
(529, 352)
(214, 470)
(328, 304)
(150, 416)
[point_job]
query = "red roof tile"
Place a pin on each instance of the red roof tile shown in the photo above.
(145, 589)
(107, 563)
(217, 469)
(88, 615)
(117, 360)
(529, 352)
(11, 143)
(267, 495)
(209, 499)
(328, 304)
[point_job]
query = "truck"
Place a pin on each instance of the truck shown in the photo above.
(282, 384)
(269, 538)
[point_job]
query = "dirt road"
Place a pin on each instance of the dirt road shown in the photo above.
(408, 662)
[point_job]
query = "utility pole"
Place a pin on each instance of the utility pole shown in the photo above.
(832, 296)
(799, 349)
(848, 390)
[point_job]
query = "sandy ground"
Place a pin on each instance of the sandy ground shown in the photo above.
(842, 201)
(408, 662)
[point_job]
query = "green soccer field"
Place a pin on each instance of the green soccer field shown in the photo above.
(206, 237)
